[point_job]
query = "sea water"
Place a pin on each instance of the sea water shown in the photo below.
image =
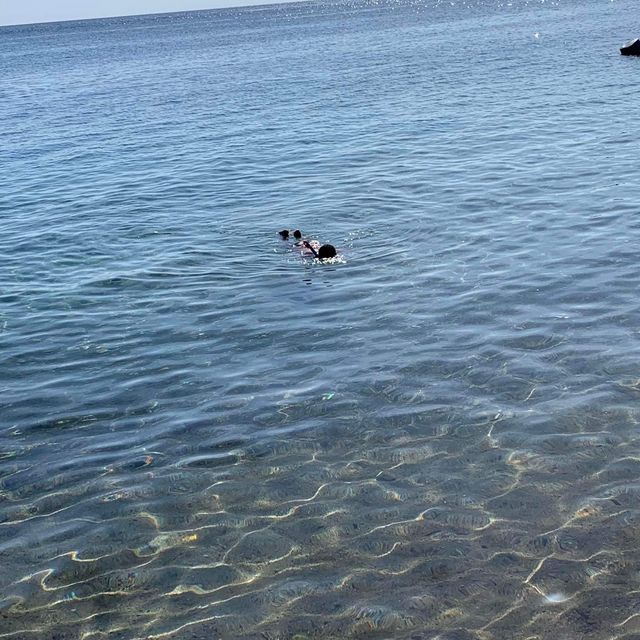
(205, 434)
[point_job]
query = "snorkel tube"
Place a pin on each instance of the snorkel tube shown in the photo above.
(308, 245)
(325, 252)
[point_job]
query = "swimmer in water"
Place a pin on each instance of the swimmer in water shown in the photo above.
(320, 252)
(323, 252)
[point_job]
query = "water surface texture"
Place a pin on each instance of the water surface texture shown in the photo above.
(206, 435)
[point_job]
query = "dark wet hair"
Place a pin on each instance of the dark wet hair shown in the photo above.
(284, 233)
(297, 234)
(327, 251)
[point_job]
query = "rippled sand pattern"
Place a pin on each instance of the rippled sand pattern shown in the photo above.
(449, 522)
(206, 435)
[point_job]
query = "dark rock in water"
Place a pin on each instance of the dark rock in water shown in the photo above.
(631, 48)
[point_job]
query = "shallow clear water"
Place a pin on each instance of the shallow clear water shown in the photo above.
(206, 435)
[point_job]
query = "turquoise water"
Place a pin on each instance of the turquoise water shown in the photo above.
(205, 434)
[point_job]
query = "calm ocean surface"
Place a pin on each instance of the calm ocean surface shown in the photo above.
(206, 435)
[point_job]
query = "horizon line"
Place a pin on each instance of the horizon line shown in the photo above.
(241, 5)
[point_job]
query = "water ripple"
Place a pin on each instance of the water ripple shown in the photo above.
(205, 433)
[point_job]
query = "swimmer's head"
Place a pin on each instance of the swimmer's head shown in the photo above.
(284, 234)
(327, 251)
(297, 234)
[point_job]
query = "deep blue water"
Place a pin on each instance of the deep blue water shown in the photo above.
(206, 434)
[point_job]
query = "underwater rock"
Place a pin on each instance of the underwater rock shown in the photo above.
(631, 48)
